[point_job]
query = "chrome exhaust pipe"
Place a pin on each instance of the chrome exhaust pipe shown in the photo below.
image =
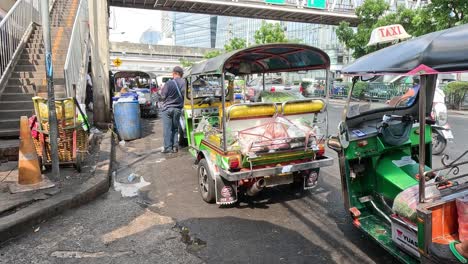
(256, 187)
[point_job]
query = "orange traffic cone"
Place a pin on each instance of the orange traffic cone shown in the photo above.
(29, 171)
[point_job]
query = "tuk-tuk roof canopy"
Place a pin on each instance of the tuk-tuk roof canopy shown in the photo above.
(281, 57)
(132, 74)
(438, 52)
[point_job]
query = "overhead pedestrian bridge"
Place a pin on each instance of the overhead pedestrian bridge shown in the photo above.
(330, 12)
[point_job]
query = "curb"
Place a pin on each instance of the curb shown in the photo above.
(23, 220)
(458, 112)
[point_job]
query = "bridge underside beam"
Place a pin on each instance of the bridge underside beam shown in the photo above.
(257, 9)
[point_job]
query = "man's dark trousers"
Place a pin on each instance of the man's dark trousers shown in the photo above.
(170, 118)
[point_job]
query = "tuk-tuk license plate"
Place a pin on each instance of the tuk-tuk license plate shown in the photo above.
(448, 134)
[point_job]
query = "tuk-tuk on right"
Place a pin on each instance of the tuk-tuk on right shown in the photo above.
(416, 212)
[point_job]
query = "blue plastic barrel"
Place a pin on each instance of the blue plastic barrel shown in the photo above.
(127, 120)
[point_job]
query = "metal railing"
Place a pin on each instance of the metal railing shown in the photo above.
(77, 55)
(15, 28)
(333, 5)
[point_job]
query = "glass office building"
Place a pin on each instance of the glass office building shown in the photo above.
(151, 36)
(320, 36)
(207, 31)
(194, 30)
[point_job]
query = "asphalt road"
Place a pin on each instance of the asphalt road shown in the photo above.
(169, 223)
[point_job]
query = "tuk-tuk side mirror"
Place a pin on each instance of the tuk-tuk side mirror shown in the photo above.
(333, 142)
(343, 135)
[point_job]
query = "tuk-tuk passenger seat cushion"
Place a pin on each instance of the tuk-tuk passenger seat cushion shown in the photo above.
(236, 112)
(295, 108)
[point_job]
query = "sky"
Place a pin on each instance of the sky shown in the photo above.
(127, 24)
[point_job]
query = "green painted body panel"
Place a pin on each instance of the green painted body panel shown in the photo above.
(391, 179)
(381, 232)
(188, 131)
(414, 136)
(353, 151)
(421, 235)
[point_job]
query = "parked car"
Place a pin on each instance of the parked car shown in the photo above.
(272, 84)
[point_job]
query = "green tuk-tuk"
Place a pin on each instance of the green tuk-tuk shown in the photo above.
(389, 186)
(241, 148)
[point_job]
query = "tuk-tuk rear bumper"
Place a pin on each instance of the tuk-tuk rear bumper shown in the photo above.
(247, 174)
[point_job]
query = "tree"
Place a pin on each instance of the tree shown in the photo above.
(447, 13)
(270, 33)
(368, 15)
(212, 54)
(235, 44)
(438, 15)
(186, 63)
(456, 92)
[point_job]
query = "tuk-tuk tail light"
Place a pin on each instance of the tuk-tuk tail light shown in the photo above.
(272, 89)
(234, 163)
(321, 150)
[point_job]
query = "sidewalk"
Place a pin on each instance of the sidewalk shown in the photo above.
(24, 211)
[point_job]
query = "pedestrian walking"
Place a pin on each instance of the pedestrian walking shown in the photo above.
(172, 96)
(89, 92)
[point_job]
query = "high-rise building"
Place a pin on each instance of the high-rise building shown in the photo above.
(150, 36)
(236, 27)
(215, 31)
(195, 30)
(167, 25)
(320, 36)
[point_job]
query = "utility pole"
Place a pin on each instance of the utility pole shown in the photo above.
(53, 130)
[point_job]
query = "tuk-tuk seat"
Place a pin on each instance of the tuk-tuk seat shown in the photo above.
(302, 107)
(246, 111)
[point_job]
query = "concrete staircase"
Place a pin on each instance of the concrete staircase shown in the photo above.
(28, 78)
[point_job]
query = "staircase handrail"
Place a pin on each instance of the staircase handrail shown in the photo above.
(77, 54)
(15, 29)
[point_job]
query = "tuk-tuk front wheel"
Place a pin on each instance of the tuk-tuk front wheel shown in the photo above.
(438, 143)
(206, 184)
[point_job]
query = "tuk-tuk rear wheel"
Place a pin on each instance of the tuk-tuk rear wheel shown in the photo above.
(206, 184)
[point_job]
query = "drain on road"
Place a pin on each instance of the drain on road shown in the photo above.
(193, 243)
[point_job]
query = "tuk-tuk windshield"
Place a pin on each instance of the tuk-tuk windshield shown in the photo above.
(206, 86)
(384, 92)
(285, 86)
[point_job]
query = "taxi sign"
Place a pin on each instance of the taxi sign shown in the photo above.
(388, 34)
(117, 62)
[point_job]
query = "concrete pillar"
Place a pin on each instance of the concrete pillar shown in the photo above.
(99, 33)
